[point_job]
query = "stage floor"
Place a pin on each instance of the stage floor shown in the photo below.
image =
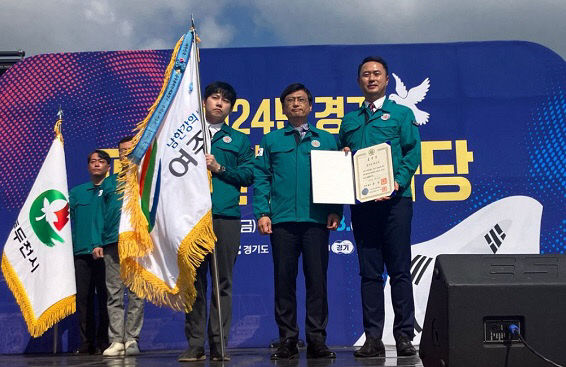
(249, 357)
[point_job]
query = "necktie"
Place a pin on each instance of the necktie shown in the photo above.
(372, 108)
(303, 131)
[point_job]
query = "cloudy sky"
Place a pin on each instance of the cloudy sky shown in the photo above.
(40, 26)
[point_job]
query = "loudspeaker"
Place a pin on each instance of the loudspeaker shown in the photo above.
(474, 298)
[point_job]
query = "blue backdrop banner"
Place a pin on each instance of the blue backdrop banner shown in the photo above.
(491, 180)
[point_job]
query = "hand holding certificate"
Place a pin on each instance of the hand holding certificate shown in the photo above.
(338, 180)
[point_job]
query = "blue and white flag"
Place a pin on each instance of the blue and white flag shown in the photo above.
(166, 224)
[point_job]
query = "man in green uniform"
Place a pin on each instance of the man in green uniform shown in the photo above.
(87, 225)
(124, 336)
(285, 210)
(382, 228)
(231, 163)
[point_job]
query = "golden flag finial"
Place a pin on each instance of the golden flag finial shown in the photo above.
(57, 127)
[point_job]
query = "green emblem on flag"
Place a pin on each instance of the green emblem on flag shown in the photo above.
(48, 215)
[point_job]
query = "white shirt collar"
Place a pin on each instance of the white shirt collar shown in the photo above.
(303, 127)
(214, 128)
(378, 103)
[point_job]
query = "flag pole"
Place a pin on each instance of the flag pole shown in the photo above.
(207, 144)
(58, 135)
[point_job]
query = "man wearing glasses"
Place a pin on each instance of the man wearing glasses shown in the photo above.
(285, 210)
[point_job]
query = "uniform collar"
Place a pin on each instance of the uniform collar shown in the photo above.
(224, 130)
(92, 186)
(289, 129)
(377, 103)
(386, 108)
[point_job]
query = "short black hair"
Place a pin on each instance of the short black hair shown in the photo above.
(292, 88)
(125, 140)
(378, 59)
(101, 153)
(225, 90)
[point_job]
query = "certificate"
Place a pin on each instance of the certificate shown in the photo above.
(332, 177)
(339, 179)
(373, 171)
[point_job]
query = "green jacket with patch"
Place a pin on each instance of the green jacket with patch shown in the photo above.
(282, 188)
(232, 150)
(87, 222)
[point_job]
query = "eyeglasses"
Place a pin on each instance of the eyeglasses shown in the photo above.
(301, 100)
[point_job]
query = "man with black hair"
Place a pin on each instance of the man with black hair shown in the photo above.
(285, 210)
(124, 336)
(230, 161)
(382, 228)
(85, 203)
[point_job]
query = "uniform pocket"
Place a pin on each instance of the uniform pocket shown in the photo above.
(384, 131)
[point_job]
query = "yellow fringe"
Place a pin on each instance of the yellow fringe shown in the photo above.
(192, 251)
(50, 317)
(140, 244)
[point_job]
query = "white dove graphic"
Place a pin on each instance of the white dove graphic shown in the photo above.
(411, 98)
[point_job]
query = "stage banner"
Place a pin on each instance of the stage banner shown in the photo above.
(491, 179)
(37, 260)
(166, 223)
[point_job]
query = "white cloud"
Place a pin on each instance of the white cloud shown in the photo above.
(78, 25)
(99, 11)
(358, 21)
(213, 34)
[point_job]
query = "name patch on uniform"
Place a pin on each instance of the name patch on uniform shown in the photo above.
(315, 143)
(227, 139)
(385, 116)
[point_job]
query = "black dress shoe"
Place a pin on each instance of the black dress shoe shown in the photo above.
(405, 347)
(216, 356)
(192, 354)
(319, 350)
(286, 350)
(84, 349)
(372, 348)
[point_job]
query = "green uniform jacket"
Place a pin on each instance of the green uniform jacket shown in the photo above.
(232, 150)
(86, 217)
(282, 188)
(111, 210)
(393, 124)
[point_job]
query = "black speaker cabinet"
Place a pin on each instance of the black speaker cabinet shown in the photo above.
(474, 298)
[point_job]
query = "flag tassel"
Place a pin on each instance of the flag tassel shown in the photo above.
(192, 251)
(47, 319)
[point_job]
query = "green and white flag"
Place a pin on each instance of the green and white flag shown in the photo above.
(37, 261)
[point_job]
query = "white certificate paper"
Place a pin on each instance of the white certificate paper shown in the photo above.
(373, 170)
(332, 177)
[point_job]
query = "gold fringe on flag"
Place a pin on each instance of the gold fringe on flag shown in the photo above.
(55, 313)
(192, 251)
